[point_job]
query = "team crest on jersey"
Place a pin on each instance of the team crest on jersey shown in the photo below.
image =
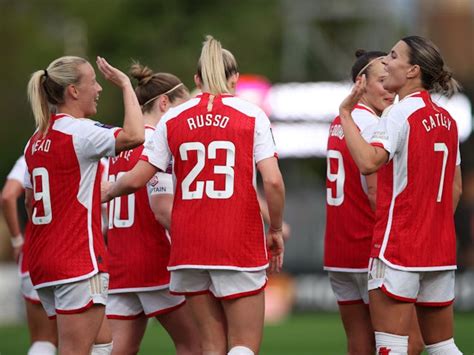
(103, 125)
(154, 181)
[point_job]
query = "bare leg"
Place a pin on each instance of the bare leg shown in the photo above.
(211, 323)
(389, 315)
(436, 323)
(415, 340)
(245, 318)
(358, 327)
(77, 332)
(182, 329)
(127, 335)
(40, 326)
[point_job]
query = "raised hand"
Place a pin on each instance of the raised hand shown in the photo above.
(353, 98)
(112, 74)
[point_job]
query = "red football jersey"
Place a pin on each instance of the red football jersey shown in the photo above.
(138, 246)
(66, 241)
(414, 228)
(349, 218)
(216, 221)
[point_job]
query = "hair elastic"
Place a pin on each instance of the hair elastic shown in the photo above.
(165, 93)
(45, 73)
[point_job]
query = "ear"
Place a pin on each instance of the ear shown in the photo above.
(71, 90)
(164, 103)
(414, 72)
(232, 82)
(197, 81)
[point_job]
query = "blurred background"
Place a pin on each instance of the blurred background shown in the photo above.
(294, 57)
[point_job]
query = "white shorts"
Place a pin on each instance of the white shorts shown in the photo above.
(133, 305)
(74, 297)
(349, 287)
(27, 290)
(426, 288)
(223, 284)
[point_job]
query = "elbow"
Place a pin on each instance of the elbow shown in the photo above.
(7, 198)
(367, 168)
(274, 183)
(135, 140)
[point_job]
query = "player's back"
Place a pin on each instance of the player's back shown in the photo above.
(137, 244)
(216, 217)
(416, 212)
(349, 217)
(65, 205)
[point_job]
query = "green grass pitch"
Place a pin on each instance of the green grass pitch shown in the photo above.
(301, 334)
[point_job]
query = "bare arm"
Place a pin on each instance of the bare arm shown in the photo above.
(133, 132)
(275, 196)
(10, 194)
(133, 180)
(286, 229)
(457, 187)
(161, 205)
(372, 190)
(367, 157)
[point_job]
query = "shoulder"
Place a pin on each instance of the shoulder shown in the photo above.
(364, 118)
(243, 106)
(179, 110)
(402, 110)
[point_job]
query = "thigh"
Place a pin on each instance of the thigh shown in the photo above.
(159, 302)
(210, 320)
(358, 327)
(230, 284)
(436, 323)
(40, 326)
(245, 317)
(77, 331)
(127, 334)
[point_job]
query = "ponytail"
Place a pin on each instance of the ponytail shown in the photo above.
(215, 66)
(445, 83)
(38, 100)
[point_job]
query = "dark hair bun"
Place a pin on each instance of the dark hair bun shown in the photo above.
(360, 52)
(141, 73)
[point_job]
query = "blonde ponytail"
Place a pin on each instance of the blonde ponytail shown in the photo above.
(39, 100)
(215, 66)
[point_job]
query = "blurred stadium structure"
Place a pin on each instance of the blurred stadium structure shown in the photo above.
(305, 47)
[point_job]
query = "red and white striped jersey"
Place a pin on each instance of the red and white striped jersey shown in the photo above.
(18, 173)
(414, 228)
(216, 221)
(63, 168)
(349, 218)
(137, 244)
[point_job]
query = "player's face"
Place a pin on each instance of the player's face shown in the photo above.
(376, 96)
(397, 66)
(88, 90)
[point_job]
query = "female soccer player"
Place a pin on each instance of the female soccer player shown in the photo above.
(43, 334)
(67, 258)
(218, 251)
(415, 150)
(137, 243)
(350, 206)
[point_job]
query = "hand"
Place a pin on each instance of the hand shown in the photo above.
(347, 106)
(105, 188)
(16, 253)
(277, 249)
(112, 74)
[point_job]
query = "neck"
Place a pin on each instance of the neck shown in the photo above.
(71, 111)
(365, 102)
(410, 88)
(151, 118)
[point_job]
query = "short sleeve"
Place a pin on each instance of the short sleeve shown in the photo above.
(156, 150)
(160, 183)
(27, 180)
(18, 171)
(390, 132)
(100, 138)
(264, 144)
